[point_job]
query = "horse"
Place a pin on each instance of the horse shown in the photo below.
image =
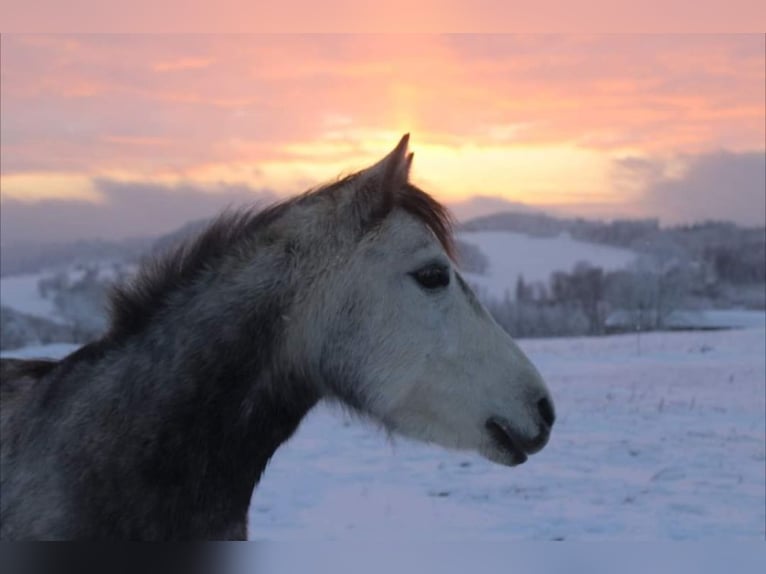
(216, 349)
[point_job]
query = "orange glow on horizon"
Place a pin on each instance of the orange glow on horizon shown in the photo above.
(517, 173)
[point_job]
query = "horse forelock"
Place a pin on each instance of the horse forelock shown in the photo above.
(430, 212)
(413, 200)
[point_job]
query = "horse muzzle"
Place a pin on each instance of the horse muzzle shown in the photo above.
(514, 443)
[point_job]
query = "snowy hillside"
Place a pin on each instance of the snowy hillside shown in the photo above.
(511, 255)
(21, 293)
(659, 436)
(62, 304)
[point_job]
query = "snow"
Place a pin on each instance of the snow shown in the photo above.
(658, 436)
(535, 258)
(52, 351)
(20, 292)
(718, 319)
(372, 557)
(703, 319)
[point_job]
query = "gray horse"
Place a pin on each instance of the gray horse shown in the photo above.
(216, 351)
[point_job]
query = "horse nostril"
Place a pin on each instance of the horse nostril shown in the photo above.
(546, 411)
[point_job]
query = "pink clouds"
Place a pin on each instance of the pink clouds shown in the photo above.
(426, 16)
(182, 64)
(266, 108)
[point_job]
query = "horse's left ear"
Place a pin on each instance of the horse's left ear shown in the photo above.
(394, 169)
(380, 182)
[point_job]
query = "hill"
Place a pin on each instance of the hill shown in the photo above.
(512, 255)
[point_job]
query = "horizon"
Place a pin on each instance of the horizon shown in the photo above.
(124, 136)
(460, 223)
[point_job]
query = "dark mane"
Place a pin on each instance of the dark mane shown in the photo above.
(17, 375)
(13, 369)
(133, 304)
(433, 214)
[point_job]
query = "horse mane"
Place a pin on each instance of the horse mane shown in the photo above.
(433, 214)
(133, 304)
(18, 374)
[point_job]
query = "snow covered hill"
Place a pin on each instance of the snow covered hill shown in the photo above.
(21, 293)
(511, 255)
(46, 305)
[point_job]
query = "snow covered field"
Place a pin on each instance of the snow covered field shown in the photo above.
(660, 437)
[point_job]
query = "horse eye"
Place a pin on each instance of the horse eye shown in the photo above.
(432, 277)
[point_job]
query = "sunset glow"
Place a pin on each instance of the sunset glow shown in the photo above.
(585, 124)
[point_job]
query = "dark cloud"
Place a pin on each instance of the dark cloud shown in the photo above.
(127, 210)
(721, 186)
(479, 205)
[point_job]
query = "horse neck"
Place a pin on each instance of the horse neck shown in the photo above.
(203, 403)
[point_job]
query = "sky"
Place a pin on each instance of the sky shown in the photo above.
(123, 135)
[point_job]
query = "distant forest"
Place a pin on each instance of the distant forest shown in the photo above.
(734, 254)
(686, 267)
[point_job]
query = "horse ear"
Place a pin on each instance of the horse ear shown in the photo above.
(380, 183)
(394, 169)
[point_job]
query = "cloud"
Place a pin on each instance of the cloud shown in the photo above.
(720, 185)
(535, 118)
(73, 102)
(182, 64)
(126, 210)
(479, 205)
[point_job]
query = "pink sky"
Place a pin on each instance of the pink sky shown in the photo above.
(594, 125)
(425, 16)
